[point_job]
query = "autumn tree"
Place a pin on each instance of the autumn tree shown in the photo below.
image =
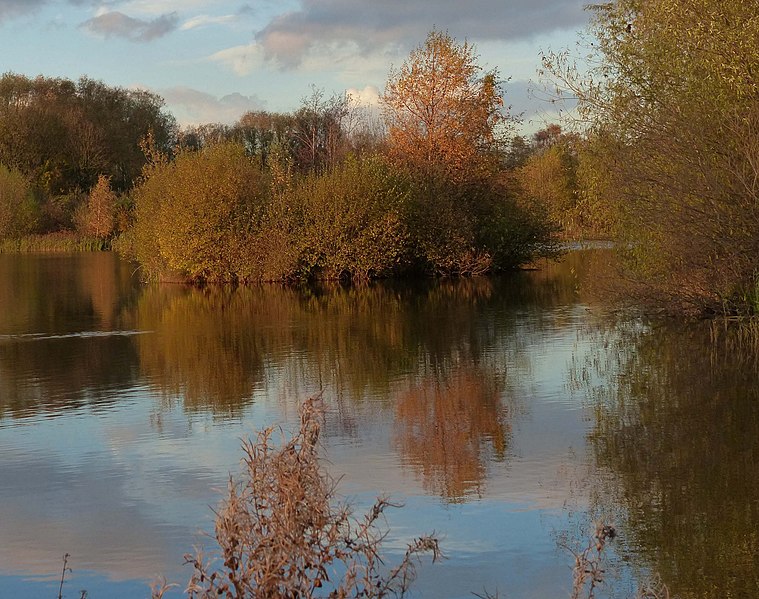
(558, 173)
(96, 217)
(670, 99)
(445, 122)
(442, 111)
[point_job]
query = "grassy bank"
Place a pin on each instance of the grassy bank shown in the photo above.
(59, 241)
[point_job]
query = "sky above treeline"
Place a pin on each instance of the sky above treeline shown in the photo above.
(213, 60)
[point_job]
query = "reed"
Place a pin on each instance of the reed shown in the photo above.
(59, 241)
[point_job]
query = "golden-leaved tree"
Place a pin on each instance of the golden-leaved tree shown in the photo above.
(96, 217)
(671, 97)
(442, 111)
(445, 120)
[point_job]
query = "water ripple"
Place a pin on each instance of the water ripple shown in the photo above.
(75, 335)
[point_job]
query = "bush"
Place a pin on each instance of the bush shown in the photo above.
(18, 214)
(280, 535)
(195, 215)
(352, 221)
(478, 226)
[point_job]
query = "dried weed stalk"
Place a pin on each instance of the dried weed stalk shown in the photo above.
(281, 534)
(588, 569)
(589, 572)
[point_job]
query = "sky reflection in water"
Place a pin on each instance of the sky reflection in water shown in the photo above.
(474, 402)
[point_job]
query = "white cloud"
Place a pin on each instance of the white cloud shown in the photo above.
(151, 7)
(369, 96)
(193, 107)
(242, 60)
(205, 20)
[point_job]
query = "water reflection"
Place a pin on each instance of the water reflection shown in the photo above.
(450, 426)
(61, 340)
(450, 395)
(678, 434)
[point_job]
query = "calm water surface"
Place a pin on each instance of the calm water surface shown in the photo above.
(506, 414)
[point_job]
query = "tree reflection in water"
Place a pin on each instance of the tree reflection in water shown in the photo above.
(61, 325)
(450, 425)
(678, 433)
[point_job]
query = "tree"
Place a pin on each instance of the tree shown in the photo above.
(444, 118)
(671, 97)
(62, 134)
(441, 111)
(317, 134)
(96, 218)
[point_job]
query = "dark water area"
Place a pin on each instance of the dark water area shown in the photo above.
(506, 414)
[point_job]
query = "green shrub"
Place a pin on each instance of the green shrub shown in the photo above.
(352, 221)
(195, 215)
(18, 214)
(477, 226)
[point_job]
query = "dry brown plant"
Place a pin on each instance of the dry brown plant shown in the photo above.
(281, 531)
(589, 571)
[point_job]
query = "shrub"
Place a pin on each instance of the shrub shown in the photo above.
(194, 215)
(18, 214)
(280, 535)
(474, 227)
(353, 221)
(676, 143)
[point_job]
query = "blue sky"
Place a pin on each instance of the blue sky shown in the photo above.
(212, 60)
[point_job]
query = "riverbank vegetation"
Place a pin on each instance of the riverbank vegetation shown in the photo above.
(675, 144)
(323, 193)
(665, 161)
(69, 155)
(306, 197)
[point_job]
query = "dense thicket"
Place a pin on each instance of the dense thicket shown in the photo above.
(672, 99)
(327, 191)
(216, 215)
(313, 194)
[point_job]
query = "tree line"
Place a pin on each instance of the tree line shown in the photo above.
(665, 161)
(327, 191)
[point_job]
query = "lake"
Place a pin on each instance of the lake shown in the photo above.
(506, 414)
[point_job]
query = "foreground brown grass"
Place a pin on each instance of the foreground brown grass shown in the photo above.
(282, 532)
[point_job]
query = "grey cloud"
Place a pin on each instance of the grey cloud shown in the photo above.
(14, 8)
(117, 24)
(192, 107)
(405, 23)
(10, 9)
